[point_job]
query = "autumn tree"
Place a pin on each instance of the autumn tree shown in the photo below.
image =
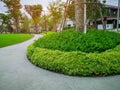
(35, 12)
(45, 22)
(25, 24)
(56, 9)
(14, 7)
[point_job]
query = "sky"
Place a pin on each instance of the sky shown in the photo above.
(44, 3)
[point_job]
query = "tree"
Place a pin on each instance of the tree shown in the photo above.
(56, 8)
(79, 15)
(103, 19)
(14, 7)
(97, 11)
(71, 11)
(34, 11)
(25, 24)
(5, 22)
(93, 11)
(45, 22)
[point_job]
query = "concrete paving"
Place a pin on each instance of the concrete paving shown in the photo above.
(17, 73)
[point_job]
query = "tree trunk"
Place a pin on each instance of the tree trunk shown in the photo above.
(95, 21)
(101, 15)
(55, 26)
(79, 15)
(17, 25)
(36, 28)
(118, 14)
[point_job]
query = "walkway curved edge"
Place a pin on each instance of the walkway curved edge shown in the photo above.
(17, 73)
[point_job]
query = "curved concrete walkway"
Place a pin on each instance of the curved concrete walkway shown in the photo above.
(17, 73)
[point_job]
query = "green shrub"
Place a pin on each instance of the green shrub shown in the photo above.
(70, 40)
(77, 63)
(30, 50)
(67, 52)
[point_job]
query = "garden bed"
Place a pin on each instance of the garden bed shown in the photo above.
(52, 55)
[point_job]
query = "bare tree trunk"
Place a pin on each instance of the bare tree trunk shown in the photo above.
(118, 15)
(17, 25)
(95, 21)
(79, 15)
(54, 28)
(102, 18)
(85, 18)
(36, 28)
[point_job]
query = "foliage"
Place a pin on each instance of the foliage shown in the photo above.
(45, 22)
(70, 40)
(92, 11)
(56, 8)
(10, 39)
(5, 18)
(25, 24)
(76, 63)
(5, 23)
(14, 7)
(58, 52)
(2, 28)
(34, 11)
(71, 11)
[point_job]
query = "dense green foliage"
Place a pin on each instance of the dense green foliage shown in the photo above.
(76, 63)
(70, 40)
(62, 52)
(5, 22)
(10, 39)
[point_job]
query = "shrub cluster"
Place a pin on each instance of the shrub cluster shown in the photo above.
(67, 52)
(70, 40)
(76, 63)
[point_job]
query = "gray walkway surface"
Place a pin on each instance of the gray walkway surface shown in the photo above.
(17, 73)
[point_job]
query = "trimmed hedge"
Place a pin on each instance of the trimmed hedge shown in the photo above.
(76, 63)
(63, 53)
(70, 40)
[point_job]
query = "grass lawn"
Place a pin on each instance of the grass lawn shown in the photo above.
(10, 39)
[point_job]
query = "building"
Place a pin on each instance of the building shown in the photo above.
(111, 17)
(112, 9)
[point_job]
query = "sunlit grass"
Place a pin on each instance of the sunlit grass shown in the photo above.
(10, 39)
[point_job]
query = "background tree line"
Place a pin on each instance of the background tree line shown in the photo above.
(50, 20)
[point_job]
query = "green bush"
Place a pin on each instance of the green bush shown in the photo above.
(70, 40)
(76, 63)
(67, 52)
